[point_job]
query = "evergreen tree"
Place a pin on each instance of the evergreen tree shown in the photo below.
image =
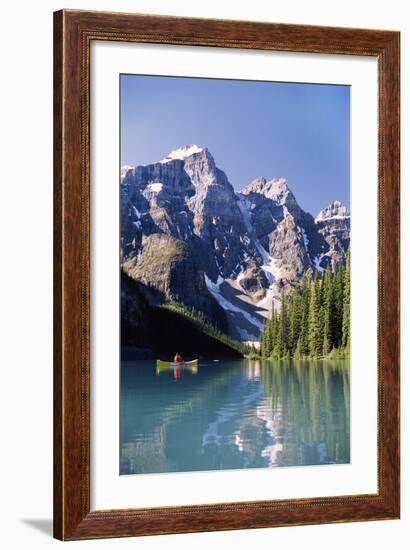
(283, 324)
(338, 305)
(346, 307)
(327, 309)
(315, 334)
(274, 333)
(303, 341)
(269, 339)
(294, 322)
(313, 321)
(264, 339)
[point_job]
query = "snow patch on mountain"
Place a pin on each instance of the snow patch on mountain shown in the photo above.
(155, 187)
(216, 291)
(317, 261)
(136, 211)
(181, 153)
(305, 240)
(273, 273)
(246, 207)
(267, 266)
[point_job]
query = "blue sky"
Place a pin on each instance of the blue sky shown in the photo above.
(271, 129)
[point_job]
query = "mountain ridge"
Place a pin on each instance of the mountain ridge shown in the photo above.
(245, 247)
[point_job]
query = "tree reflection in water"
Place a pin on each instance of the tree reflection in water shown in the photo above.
(236, 414)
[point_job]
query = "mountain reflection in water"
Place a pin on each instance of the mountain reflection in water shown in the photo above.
(234, 414)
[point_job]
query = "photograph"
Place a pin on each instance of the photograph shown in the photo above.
(234, 261)
(205, 344)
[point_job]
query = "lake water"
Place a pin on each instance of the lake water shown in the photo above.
(233, 414)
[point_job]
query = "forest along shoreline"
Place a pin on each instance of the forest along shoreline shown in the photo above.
(313, 322)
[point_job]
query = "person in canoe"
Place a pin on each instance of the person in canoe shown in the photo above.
(178, 359)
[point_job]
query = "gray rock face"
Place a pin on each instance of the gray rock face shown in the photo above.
(189, 199)
(187, 235)
(169, 272)
(333, 223)
(287, 232)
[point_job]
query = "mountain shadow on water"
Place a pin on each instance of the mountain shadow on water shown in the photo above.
(159, 331)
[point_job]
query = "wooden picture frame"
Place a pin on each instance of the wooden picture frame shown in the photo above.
(73, 33)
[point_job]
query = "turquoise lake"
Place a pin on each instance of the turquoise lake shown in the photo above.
(233, 414)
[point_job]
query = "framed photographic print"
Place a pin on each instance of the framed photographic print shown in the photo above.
(226, 335)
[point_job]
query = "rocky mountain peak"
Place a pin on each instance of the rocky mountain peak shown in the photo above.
(182, 153)
(275, 189)
(333, 222)
(335, 210)
(190, 163)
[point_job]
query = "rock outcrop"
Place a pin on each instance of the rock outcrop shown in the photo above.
(333, 222)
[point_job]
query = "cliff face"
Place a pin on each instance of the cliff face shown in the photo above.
(188, 236)
(168, 269)
(333, 222)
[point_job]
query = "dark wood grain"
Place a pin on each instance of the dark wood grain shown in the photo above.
(58, 278)
(73, 33)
